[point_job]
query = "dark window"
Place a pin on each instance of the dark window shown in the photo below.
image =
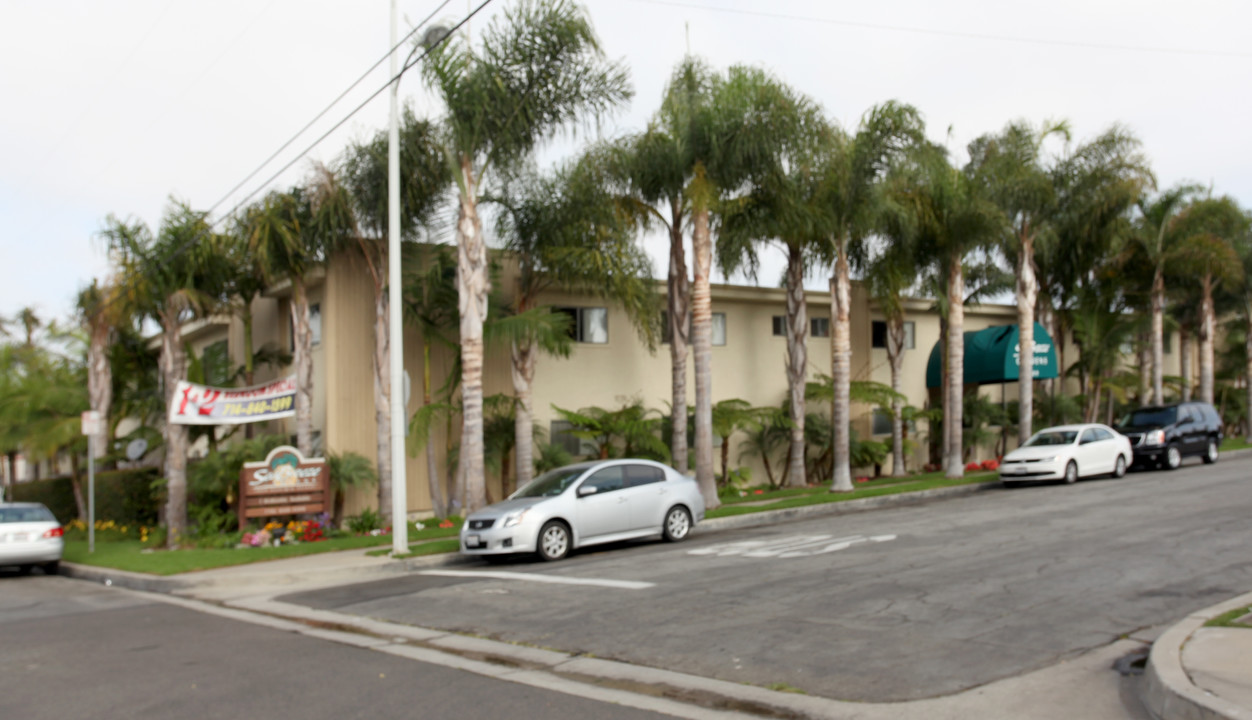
(878, 334)
(881, 423)
(637, 475)
(26, 513)
(588, 324)
(216, 363)
(560, 435)
(1088, 436)
(820, 327)
(1102, 434)
(780, 326)
(1166, 345)
(719, 328)
(606, 480)
(1186, 413)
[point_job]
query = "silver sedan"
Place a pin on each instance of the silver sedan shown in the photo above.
(30, 535)
(587, 504)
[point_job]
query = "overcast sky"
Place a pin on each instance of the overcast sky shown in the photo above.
(113, 107)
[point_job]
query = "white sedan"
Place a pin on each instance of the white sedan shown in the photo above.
(30, 535)
(586, 504)
(1068, 452)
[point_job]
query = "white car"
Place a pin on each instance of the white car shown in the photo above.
(30, 535)
(1068, 452)
(586, 504)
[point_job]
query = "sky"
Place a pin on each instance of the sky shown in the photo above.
(117, 107)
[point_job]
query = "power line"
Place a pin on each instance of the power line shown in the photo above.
(949, 33)
(409, 63)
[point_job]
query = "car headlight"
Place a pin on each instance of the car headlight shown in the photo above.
(1155, 437)
(1050, 458)
(513, 519)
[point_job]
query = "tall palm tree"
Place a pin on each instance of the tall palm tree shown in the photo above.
(1211, 226)
(1015, 175)
(424, 182)
(169, 277)
(101, 311)
(565, 231)
(888, 277)
(1154, 233)
(853, 186)
(785, 205)
(538, 71)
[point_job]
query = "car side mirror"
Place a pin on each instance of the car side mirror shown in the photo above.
(1184, 421)
(585, 490)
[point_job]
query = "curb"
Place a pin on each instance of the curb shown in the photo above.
(1168, 693)
(124, 578)
(772, 517)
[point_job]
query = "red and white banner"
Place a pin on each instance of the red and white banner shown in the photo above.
(203, 405)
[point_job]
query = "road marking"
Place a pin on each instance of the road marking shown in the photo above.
(788, 547)
(534, 577)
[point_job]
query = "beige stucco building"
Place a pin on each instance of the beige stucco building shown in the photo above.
(609, 365)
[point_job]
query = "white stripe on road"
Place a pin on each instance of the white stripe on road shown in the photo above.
(532, 577)
(789, 547)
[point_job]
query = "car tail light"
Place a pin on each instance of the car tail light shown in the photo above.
(55, 532)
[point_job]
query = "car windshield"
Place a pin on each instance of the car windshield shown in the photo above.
(551, 483)
(1056, 437)
(35, 513)
(1150, 417)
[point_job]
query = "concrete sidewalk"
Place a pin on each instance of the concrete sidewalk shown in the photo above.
(1202, 673)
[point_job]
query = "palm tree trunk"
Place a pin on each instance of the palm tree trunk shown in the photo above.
(100, 384)
(945, 384)
(1158, 338)
(1184, 361)
(76, 486)
(1144, 343)
(797, 362)
(249, 376)
(382, 398)
(523, 422)
(173, 364)
(303, 361)
(895, 359)
(678, 302)
(841, 370)
(437, 504)
(702, 344)
(1207, 324)
(1247, 381)
(1027, 292)
(472, 286)
(956, 365)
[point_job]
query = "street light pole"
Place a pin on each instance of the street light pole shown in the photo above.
(399, 487)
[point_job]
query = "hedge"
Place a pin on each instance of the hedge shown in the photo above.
(123, 496)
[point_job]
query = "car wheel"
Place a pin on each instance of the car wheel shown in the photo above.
(1173, 458)
(677, 524)
(1119, 470)
(24, 569)
(1071, 473)
(554, 541)
(52, 568)
(1210, 452)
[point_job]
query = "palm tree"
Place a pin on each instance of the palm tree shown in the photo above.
(424, 181)
(888, 277)
(101, 311)
(952, 219)
(785, 204)
(1154, 233)
(539, 70)
(1211, 226)
(1015, 176)
(170, 277)
(852, 182)
(731, 416)
(565, 231)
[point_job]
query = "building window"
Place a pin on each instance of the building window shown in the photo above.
(561, 436)
(820, 327)
(315, 326)
(878, 333)
(1168, 346)
(780, 326)
(881, 422)
(588, 324)
(719, 329)
(216, 364)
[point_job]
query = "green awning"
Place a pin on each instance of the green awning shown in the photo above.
(991, 357)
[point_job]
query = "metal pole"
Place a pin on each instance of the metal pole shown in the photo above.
(399, 500)
(91, 494)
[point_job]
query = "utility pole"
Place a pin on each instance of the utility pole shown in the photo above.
(399, 481)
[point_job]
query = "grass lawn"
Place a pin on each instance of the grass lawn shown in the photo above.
(1228, 619)
(1233, 443)
(131, 555)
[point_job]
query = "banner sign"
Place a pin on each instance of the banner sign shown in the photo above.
(203, 405)
(285, 483)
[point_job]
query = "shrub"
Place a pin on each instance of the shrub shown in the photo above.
(990, 465)
(123, 496)
(972, 467)
(368, 520)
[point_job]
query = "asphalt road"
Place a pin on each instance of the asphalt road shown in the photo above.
(70, 649)
(888, 605)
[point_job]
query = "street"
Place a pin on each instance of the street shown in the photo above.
(74, 649)
(888, 605)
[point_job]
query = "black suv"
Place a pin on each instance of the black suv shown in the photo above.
(1163, 435)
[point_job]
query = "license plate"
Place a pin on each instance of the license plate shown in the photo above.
(19, 537)
(473, 541)
(1018, 470)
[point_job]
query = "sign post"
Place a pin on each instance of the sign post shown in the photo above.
(91, 427)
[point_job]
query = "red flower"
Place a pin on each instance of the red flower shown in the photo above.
(757, 492)
(990, 465)
(972, 467)
(446, 524)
